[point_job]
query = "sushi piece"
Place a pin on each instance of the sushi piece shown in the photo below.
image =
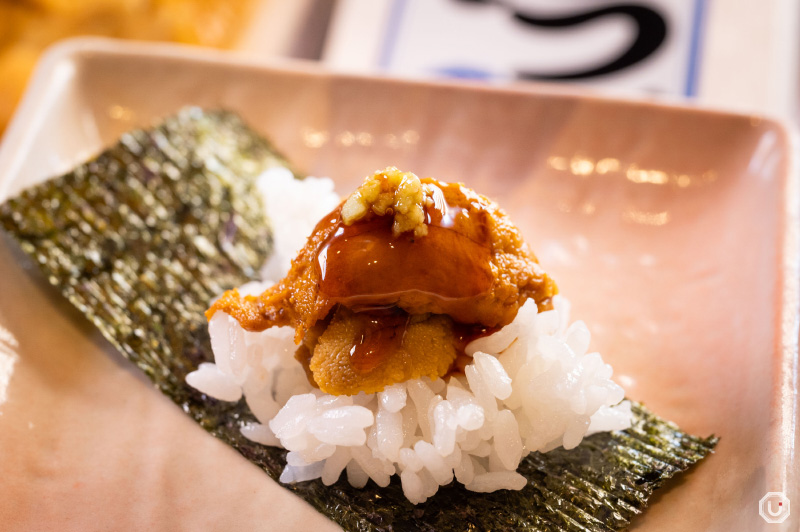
(146, 294)
(396, 281)
(428, 344)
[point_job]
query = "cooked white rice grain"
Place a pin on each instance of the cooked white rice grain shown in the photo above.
(212, 381)
(260, 434)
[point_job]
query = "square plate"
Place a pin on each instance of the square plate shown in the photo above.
(672, 230)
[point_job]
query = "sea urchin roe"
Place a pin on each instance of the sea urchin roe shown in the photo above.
(438, 253)
(365, 352)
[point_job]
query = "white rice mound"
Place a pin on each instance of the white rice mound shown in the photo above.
(532, 386)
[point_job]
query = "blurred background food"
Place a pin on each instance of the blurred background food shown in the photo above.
(27, 27)
(741, 55)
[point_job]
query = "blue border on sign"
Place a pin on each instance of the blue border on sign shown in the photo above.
(694, 48)
(392, 31)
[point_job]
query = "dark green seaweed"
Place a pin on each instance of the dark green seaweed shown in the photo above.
(142, 237)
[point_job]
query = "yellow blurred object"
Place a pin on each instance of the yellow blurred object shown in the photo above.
(29, 26)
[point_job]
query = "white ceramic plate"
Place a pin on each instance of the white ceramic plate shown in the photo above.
(673, 231)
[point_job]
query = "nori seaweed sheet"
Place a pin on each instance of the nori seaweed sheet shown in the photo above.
(141, 238)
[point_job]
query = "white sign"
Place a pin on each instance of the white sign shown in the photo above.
(647, 46)
(641, 46)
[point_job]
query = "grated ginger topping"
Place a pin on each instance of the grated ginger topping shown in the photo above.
(390, 191)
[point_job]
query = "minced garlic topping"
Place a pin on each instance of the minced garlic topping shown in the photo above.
(390, 191)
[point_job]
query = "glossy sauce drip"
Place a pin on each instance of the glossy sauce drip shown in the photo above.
(381, 336)
(367, 269)
(467, 333)
(364, 265)
(464, 335)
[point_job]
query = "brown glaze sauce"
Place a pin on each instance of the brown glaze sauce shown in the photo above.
(363, 266)
(381, 335)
